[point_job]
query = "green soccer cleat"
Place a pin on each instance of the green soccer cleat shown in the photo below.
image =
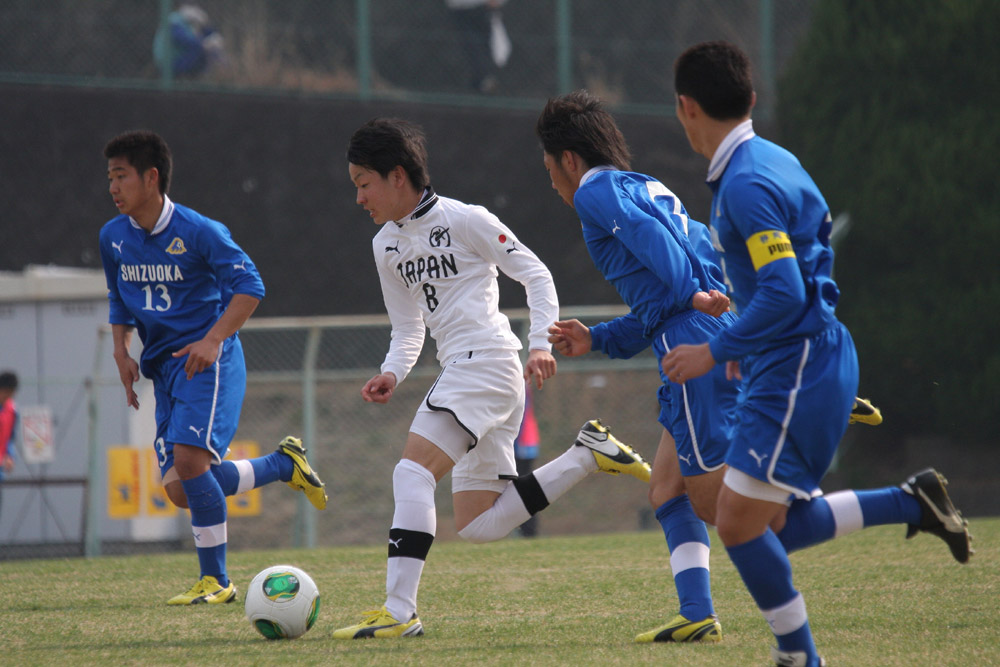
(206, 591)
(939, 514)
(612, 456)
(864, 412)
(679, 629)
(303, 476)
(380, 624)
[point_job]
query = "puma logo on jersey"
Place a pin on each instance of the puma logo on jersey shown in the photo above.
(176, 247)
(393, 248)
(512, 248)
(197, 431)
(242, 266)
(759, 458)
(118, 246)
(616, 227)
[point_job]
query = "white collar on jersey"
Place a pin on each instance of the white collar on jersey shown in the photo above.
(739, 134)
(162, 221)
(594, 170)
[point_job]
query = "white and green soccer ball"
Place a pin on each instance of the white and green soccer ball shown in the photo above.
(282, 602)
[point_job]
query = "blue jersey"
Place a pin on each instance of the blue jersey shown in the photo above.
(173, 284)
(771, 227)
(643, 241)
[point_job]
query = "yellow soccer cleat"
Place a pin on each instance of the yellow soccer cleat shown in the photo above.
(380, 624)
(303, 476)
(206, 591)
(612, 456)
(864, 412)
(679, 629)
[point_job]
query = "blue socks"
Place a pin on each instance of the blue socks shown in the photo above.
(207, 504)
(206, 495)
(813, 521)
(687, 540)
(763, 564)
(236, 477)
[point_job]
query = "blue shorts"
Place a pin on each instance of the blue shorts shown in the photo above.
(797, 401)
(700, 413)
(203, 411)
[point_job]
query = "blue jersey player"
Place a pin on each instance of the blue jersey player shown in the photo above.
(180, 280)
(771, 226)
(663, 265)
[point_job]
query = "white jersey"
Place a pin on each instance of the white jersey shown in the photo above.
(438, 268)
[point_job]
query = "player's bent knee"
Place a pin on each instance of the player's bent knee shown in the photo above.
(482, 530)
(663, 491)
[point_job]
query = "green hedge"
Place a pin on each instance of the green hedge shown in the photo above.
(893, 108)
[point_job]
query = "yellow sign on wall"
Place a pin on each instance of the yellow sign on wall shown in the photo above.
(134, 487)
(123, 482)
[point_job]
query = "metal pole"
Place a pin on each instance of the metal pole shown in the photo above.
(769, 87)
(364, 49)
(167, 73)
(306, 529)
(564, 51)
(92, 520)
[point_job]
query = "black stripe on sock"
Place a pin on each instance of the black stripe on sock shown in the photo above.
(531, 493)
(409, 543)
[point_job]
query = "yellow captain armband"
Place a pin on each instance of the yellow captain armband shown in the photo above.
(765, 247)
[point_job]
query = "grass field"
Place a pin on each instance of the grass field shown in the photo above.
(873, 599)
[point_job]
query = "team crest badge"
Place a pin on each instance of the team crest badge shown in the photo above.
(440, 236)
(176, 246)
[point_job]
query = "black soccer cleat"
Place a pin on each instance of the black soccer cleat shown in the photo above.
(940, 517)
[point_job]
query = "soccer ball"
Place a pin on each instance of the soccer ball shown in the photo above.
(282, 602)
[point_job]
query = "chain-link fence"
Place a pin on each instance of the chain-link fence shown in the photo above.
(390, 49)
(304, 378)
(355, 445)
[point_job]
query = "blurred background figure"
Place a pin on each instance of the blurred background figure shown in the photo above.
(8, 422)
(483, 38)
(526, 451)
(189, 44)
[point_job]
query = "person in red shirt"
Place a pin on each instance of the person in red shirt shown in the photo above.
(8, 420)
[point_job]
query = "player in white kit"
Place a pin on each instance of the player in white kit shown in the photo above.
(437, 262)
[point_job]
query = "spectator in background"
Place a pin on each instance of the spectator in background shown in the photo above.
(8, 421)
(484, 39)
(189, 43)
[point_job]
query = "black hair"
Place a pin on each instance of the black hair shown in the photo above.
(578, 122)
(382, 144)
(717, 76)
(8, 380)
(143, 150)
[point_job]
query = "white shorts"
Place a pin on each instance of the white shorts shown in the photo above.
(473, 414)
